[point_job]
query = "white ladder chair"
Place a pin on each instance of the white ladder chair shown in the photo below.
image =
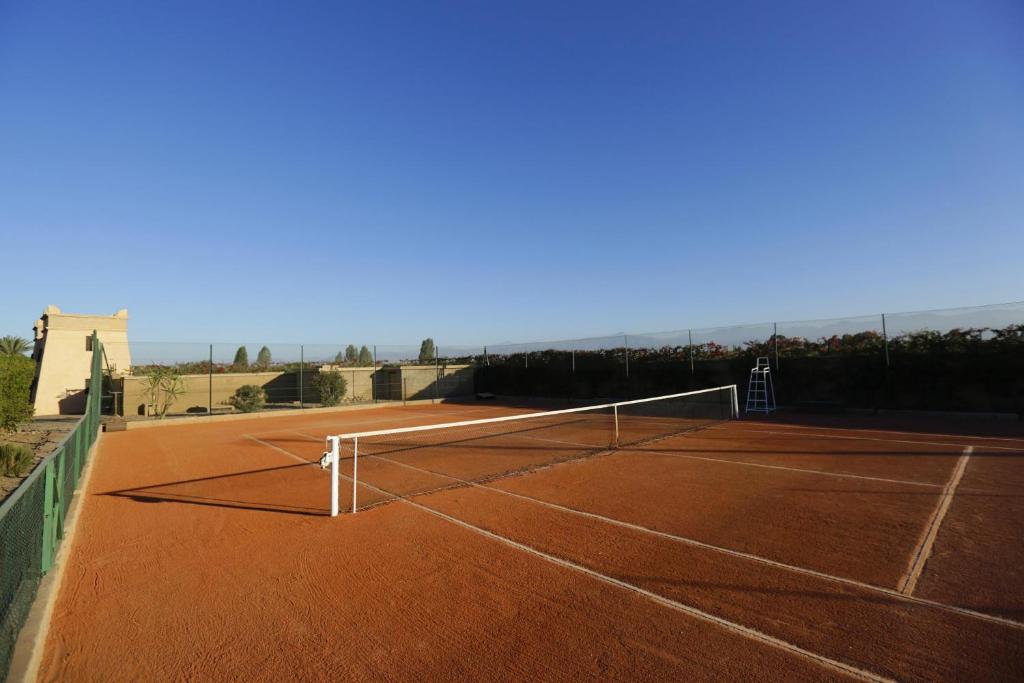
(760, 390)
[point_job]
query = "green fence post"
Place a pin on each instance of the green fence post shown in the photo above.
(76, 454)
(49, 521)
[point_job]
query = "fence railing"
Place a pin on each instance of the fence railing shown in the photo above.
(32, 517)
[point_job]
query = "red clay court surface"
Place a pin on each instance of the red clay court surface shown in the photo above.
(753, 549)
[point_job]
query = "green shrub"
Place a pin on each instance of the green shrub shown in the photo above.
(249, 398)
(16, 374)
(331, 387)
(15, 459)
(162, 388)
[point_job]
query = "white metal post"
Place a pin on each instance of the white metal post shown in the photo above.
(332, 445)
(735, 403)
(616, 410)
(355, 468)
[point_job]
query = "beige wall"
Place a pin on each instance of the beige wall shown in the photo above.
(281, 387)
(421, 381)
(64, 362)
(358, 381)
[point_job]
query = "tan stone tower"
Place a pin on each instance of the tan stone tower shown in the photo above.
(63, 353)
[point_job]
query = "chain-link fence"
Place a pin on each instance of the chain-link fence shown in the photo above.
(32, 517)
(957, 359)
(967, 359)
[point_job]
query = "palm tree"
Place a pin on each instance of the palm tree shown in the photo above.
(13, 346)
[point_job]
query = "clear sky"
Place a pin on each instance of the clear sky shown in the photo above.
(490, 171)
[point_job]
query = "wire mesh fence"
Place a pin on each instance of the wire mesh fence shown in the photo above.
(952, 359)
(32, 516)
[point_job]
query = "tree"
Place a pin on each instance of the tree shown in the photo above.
(427, 351)
(162, 388)
(339, 359)
(350, 355)
(13, 346)
(331, 387)
(263, 358)
(365, 357)
(241, 361)
(16, 375)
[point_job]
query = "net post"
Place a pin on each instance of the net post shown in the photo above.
(735, 402)
(355, 470)
(332, 445)
(615, 409)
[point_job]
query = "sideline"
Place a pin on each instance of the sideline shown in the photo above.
(924, 547)
(725, 624)
(31, 643)
(812, 435)
(268, 414)
(888, 592)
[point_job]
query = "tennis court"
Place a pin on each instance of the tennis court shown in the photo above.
(651, 541)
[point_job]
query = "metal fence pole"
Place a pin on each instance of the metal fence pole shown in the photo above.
(209, 410)
(885, 341)
(626, 338)
(437, 374)
(574, 361)
(775, 338)
(373, 376)
(302, 361)
(886, 380)
(689, 335)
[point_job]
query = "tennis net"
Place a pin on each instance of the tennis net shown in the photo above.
(397, 463)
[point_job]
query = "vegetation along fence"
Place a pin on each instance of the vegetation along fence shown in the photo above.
(32, 517)
(968, 359)
(964, 359)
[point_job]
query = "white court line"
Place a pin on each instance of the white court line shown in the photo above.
(888, 592)
(280, 450)
(823, 473)
(745, 631)
(893, 431)
(924, 548)
(868, 438)
(327, 423)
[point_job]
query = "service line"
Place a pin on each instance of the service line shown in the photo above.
(924, 547)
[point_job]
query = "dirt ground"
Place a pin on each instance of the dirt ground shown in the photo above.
(748, 550)
(42, 435)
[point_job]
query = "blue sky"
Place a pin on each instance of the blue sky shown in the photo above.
(483, 172)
